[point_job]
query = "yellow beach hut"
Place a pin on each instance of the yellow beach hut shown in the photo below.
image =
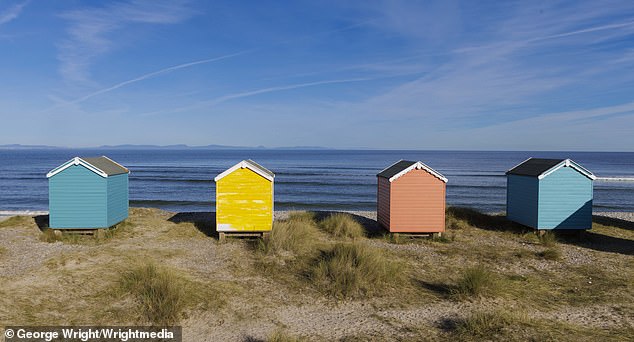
(244, 199)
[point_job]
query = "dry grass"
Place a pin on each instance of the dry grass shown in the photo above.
(298, 234)
(489, 325)
(279, 335)
(550, 254)
(476, 282)
(355, 270)
(342, 225)
(124, 229)
(15, 221)
(159, 292)
(548, 239)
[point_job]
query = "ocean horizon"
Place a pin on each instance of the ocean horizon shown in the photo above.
(181, 180)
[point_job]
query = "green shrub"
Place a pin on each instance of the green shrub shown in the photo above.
(342, 225)
(159, 292)
(474, 282)
(354, 270)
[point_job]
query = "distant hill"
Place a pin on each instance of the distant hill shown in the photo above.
(157, 147)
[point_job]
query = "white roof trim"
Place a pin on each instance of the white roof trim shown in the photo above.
(73, 162)
(568, 163)
(244, 165)
(419, 166)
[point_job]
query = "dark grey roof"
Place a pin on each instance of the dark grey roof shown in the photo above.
(395, 169)
(106, 165)
(534, 167)
(261, 168)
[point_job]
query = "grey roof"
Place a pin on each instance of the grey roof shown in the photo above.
(106, 165)
(395, 169)
(534, 167)
(260, 167)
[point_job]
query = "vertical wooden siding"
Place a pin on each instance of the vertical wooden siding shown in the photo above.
(383, 202)
(521, 199)
(565, 200)
(417, 203)
(77, 199)
(117, 198)
(244, 202)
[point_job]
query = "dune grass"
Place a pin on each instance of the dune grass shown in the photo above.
(548, 239)
(280, 335)
(121, 230)
(160, 293)
(342, 225)
(550, 254)
(15, 221)
(485, 325)
(298, 234)
(354, 270)
(476, 282)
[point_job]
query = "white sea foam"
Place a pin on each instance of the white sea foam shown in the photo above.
(22, 213)
(616, 179)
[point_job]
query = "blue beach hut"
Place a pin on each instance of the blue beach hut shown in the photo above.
(87, 193)
(549, 194)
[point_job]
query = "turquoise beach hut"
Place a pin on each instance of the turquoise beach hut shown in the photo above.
(87, 193)
(550, 194)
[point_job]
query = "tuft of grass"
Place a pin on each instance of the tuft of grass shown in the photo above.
(49, 235)
(445, 238)
(489, 325)
(475, 282)
(159, 292)
(354, 269)
(280, 335)
(550, 254)
(3, 251)
(342, 225)
(548, 239)
(298, 234)
(14, 221)
(456, 224)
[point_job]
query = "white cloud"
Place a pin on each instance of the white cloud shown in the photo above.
(12, 12)
(90, 30)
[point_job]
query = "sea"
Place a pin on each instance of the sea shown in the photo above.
(181, 180)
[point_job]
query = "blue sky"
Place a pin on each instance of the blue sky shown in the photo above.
(500, 75)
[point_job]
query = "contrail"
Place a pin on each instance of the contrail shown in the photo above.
(588, 30)
(229, 97)
(156, 73)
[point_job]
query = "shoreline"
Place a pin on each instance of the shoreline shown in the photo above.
(282, 214)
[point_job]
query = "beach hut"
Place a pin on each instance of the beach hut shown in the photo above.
(411, 198)
(244, 199)
(87, 193)
(549, 194)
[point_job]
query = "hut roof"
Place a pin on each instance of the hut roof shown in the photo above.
(102, 166)
(402, 167)
(541, 167)
(251, 165)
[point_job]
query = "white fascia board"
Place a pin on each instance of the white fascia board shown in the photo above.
(244, 165)
(568, 163)
(73, 162)
(420, 166)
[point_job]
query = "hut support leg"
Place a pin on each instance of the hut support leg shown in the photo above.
(221, 237)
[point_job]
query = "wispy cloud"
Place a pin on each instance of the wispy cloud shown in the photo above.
(90, 30)
(12, 12)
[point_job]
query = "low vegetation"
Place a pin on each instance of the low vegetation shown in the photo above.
(475, 282)
(354, 270)
(342, 225)
(121, 230)
(14, 221)
(548, 239)
(298, 234)
(495, 281)
(161, 293)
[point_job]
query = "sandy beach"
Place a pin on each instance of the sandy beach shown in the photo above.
(567, 289)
